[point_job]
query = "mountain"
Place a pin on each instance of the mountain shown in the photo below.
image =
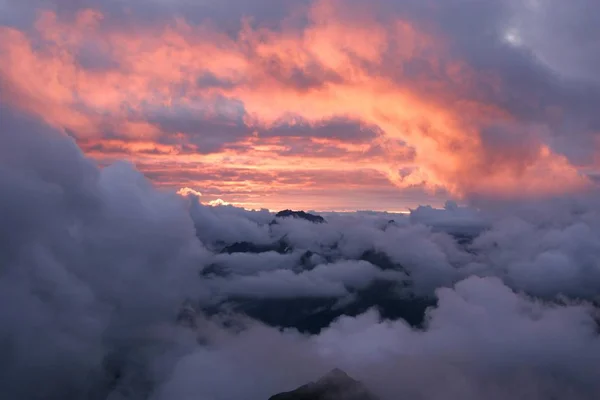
(317, 219)
(312, 314)
(336, 385)
(280, 247)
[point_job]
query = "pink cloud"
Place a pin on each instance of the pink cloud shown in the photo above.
(191, 94)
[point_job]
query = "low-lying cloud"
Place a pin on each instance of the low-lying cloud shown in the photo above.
(114, 289)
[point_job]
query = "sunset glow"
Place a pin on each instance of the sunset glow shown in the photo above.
(336, 106)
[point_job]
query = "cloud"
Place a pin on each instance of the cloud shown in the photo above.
(459, 353)
(226, 225)
(186, 191)
(451, 218)
(574, 26)
(101, 262)
(461, 102)
(85, 253)
(464, 328)
(325, 281)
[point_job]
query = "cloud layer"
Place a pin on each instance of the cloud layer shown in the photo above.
(114, 289)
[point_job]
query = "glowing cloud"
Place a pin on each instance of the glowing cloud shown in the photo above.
(268, 101)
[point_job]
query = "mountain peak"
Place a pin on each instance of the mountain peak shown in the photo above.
(335, 385)
(336, 376)
(301, 215)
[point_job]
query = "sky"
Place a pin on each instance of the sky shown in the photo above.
(325, 104)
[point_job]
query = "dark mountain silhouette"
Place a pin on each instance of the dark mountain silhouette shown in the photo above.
(312, 314)
(280, 247)
(336, 385)
(393, 300)
(317, 219)
(381, 260)
(305, 261)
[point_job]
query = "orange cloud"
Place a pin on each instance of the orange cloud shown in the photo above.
(344, 62)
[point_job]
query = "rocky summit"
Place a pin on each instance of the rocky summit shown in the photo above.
(336, 385)
(317, 219)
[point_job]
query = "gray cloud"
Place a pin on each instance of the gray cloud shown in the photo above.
(339, 128)
(481, 340)
(83, 249)
(326, 280)
(206, 134)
